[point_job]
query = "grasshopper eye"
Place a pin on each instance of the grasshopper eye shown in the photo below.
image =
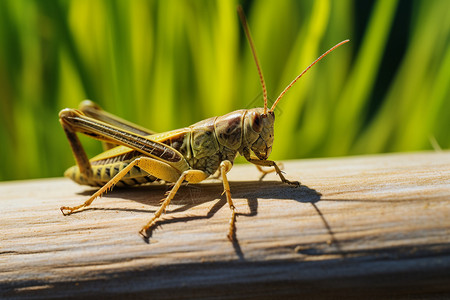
(257, 123)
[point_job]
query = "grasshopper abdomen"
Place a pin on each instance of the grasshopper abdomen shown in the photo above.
(104, 170)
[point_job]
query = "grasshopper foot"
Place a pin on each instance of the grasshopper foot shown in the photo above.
(147, 230)
(294, 183)
(144, 234)
(67, 210)
(232, 229)
(232, 236)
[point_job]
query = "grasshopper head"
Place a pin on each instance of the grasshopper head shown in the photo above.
(258, 132)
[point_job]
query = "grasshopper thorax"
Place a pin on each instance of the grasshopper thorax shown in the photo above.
(245, 131)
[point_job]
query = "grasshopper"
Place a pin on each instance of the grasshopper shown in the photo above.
(136, 155)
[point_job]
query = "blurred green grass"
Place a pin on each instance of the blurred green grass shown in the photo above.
(168, 64)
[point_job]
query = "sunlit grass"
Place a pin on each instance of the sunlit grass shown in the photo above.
(168, 64)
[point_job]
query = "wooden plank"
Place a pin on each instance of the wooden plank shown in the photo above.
(381, 227)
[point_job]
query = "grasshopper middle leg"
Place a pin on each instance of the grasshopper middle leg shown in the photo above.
(195, 176)
(225, 167)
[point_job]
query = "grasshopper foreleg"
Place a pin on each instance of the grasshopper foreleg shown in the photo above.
(267, 163)
(265, 172)
(271, 163)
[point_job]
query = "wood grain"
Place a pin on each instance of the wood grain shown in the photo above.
(381, 227)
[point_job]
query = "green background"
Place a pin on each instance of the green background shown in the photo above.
(168, 64)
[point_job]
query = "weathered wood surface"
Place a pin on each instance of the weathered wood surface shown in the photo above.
(381, 227)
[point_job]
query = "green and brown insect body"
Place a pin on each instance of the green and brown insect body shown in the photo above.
(137, 155)
(203, 145)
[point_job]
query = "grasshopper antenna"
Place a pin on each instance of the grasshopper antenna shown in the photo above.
(250, 41)
(304, 71)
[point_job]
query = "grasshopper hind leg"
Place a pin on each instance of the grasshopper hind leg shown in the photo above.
(152, 166)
